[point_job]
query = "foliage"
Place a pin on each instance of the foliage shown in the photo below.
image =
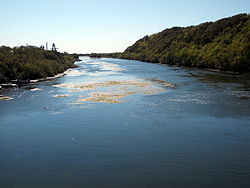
(223, 45)
(29, 62)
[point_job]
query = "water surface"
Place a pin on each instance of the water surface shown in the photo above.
(120, 123)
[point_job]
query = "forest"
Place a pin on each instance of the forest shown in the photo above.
(30, 62)
(222, 45)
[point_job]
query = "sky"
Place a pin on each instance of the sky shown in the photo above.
(86, 26)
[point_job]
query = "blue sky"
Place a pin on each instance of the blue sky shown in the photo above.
(103, 25)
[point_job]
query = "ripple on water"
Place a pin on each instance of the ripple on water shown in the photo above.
(62, 95)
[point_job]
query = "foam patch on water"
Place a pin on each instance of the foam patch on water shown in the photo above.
(56, 113)
(35, 89)
(5, 98)
(114, 91)
(109, 91)
(100, 73)
(62, 95)
(106, 97)
(85, 86)
(72, 72)
(106, 66)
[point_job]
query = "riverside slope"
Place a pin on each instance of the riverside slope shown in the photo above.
(222, 45)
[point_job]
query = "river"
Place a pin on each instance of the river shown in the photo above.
(123, 123)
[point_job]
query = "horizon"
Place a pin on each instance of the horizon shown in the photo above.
(103, 27)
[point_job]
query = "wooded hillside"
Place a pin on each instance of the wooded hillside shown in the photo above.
(223, 45)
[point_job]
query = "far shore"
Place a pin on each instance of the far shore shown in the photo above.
(106, 55)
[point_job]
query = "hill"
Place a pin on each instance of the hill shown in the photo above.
(222, 45)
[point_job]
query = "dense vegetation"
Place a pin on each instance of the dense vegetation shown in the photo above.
(223, 45)
(29, 62)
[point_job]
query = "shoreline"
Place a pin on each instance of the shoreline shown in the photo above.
(20, 83)
(15, 86)
(187, 67)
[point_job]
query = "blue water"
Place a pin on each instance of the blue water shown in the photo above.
(196, 134)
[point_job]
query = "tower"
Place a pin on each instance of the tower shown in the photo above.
(54, 47)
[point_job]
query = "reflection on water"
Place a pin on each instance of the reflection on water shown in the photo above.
(234, 84)
(121, 123)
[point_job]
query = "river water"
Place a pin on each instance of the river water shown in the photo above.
(122, 123)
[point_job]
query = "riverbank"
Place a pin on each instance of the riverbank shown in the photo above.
(18, 84)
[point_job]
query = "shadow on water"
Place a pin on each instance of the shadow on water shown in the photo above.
(221, 77)
(236, 84)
